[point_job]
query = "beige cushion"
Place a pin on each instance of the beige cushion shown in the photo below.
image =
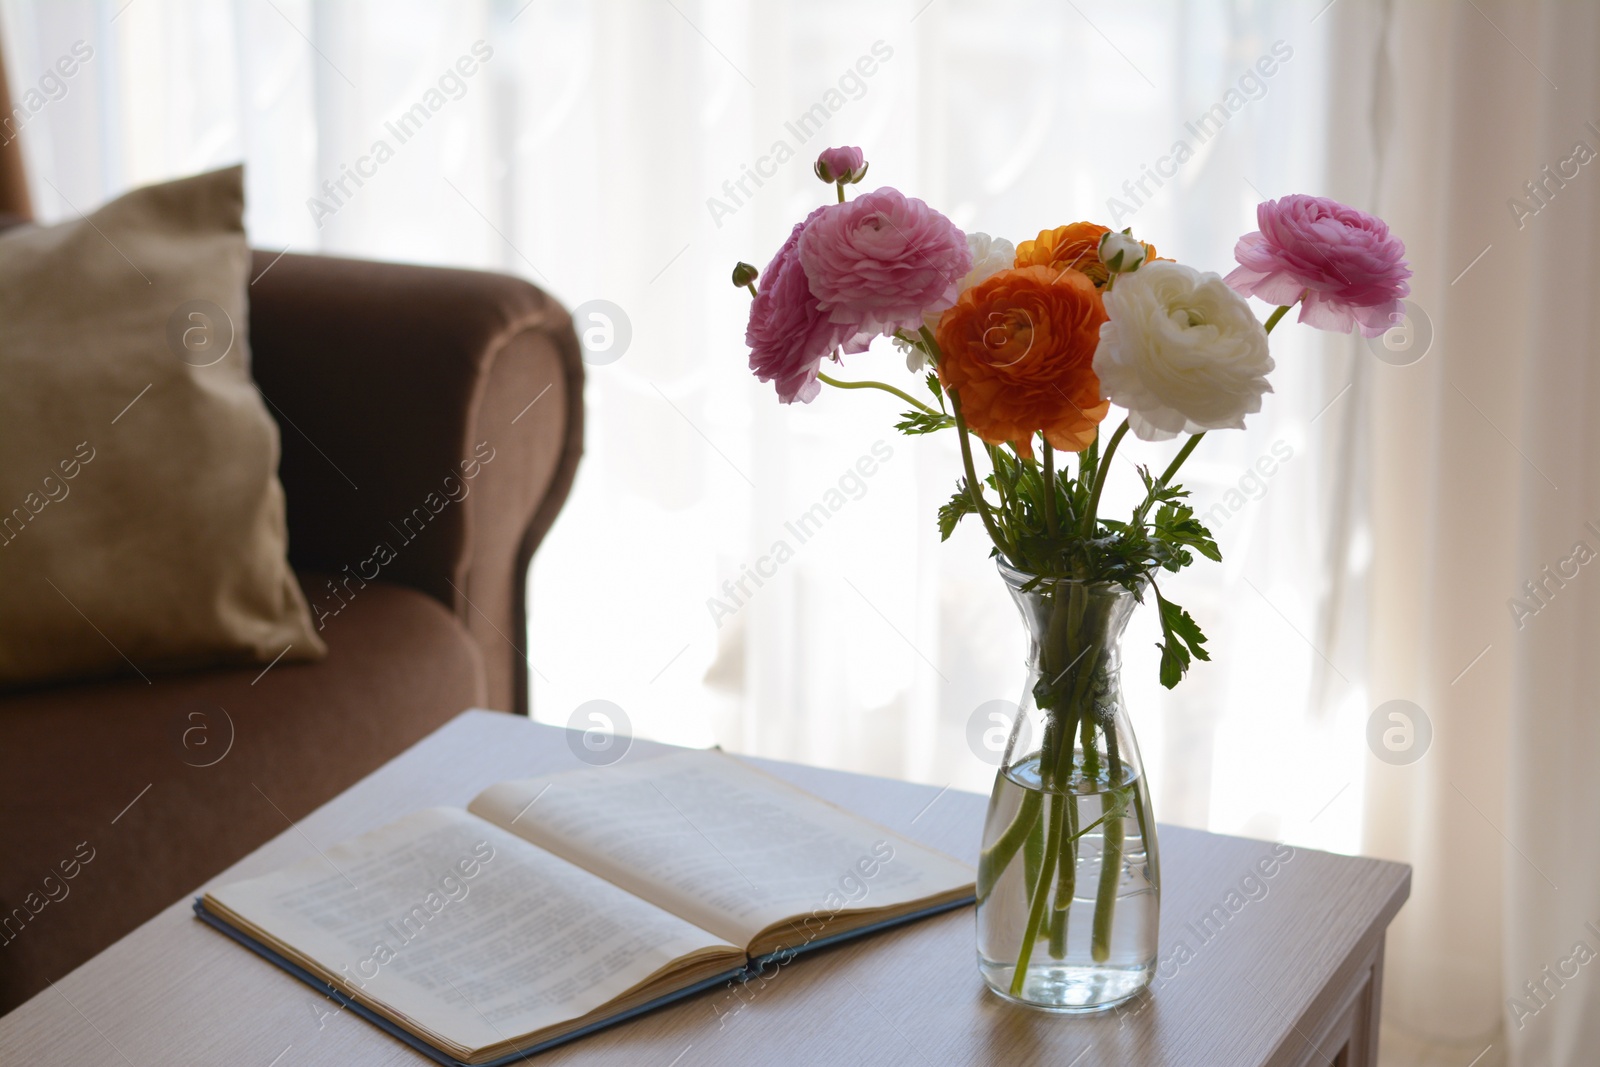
(141, 519)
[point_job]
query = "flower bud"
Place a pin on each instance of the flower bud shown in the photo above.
(744, 274)
(1121, 252)
(841, 166)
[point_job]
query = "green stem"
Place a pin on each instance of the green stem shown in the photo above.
(1177, 461)
(1067, 880)
(1075, 834)
(1054, 929)
(1033, 856)
(1004, 512)
(884, 386)
(1055, 925)
(1144, 832)
(931, 343)
(1100, 479)
(993, 862)
(751, 286)
(1113, 804)
(1052, 853)
(1113, 755)
(1091, 755)
(1076, 641)
(841, 191)
(1272, 320)
(973, 487)
(1105, 899)
(1050, 489)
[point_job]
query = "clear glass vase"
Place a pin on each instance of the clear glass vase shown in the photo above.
(1069, 882)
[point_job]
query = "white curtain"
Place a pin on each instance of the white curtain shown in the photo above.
(1483, 476)
(1375, 518)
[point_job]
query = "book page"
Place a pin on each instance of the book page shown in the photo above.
(726, 846)
(463, 931)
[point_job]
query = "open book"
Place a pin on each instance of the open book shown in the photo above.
(554, 905)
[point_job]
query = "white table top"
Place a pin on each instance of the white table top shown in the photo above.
(177, 992)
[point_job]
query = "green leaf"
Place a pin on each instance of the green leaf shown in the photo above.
(1176, 525)
(1007, 469)
(1180, 638)
(919, 422)
(936, 389)
(960, 504)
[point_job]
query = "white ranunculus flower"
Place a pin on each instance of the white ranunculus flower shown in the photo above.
(1181, 351)
(990, 256)
(1130, 248)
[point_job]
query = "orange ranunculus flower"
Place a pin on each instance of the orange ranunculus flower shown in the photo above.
(1018, 351)
(1074, 247)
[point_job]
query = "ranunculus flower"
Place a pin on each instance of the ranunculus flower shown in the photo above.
(878, 262)
(1181, 351)
(1018, 350)
(1347, 264)
(846, 165)
(744, 274)
(1074, 247)
(1121, 253)
(990, 256)
(789, 334)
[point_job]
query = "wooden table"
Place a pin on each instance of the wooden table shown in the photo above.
(1282, 970)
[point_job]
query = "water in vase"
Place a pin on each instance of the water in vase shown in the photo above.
(1094, 942)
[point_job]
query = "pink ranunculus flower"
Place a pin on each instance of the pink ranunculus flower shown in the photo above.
(879, 262)
(1349, 266)
(848, 165)
(789, 334)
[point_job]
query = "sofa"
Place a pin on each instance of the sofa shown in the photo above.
(118, 797)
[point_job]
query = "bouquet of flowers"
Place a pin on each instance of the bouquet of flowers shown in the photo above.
(1027, 348)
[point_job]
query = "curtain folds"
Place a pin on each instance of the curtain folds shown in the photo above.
(1476, 123)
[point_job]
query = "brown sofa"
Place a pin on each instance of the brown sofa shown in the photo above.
(383, 378)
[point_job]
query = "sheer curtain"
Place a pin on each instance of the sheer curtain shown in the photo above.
(1475, 124)
(630, 153)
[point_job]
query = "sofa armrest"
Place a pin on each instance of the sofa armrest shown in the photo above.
(431, 422)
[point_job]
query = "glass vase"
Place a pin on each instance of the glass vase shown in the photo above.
(1069, 882)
